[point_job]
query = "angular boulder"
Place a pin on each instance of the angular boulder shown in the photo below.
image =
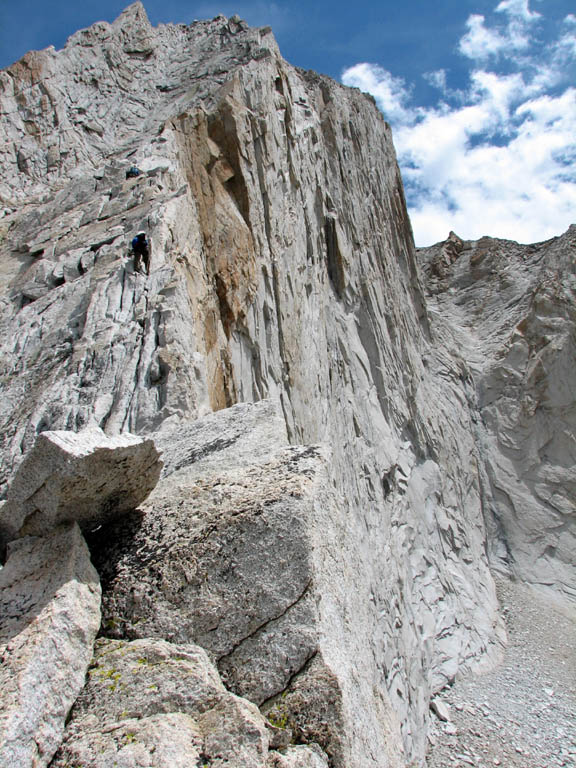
(309, 756)
(150, 702)
(221, 554)
(49, 617)
(83, 476)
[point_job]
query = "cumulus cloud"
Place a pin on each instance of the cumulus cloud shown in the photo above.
(517, 10)
(390, 92)
(481, 43)
(498, 157)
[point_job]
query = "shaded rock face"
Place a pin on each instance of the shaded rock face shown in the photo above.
(282, 268)
(49, 617)
(509, 310)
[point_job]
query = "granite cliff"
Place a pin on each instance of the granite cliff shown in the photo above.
(346, 451)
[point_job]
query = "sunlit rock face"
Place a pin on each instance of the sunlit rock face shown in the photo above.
(49, 617)
(282, 268)
(510, 311)
(83, 476)
(166, 706)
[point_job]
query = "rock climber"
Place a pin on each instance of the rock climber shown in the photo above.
(141, 251)
(132, 172)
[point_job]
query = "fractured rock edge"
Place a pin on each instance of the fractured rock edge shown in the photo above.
(83, 476)
(224, 555)
(49, 617)
(154, 701)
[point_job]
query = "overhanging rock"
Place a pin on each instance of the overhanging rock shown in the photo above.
(83, 476)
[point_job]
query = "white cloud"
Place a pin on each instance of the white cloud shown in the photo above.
(517, 9)
(567, 43)
(497, 93)
(498, 158)
(437, 79)
(481, 43)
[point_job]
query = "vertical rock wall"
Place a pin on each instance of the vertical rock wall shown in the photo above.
(336, 330)
(509, 311)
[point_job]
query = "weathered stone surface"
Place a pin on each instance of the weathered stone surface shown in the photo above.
(282, 266)
(49, 616)
(83, 476)
(224, 554)
(156, 741)
(242, 548)
(217, 551)
(242, 436)
(53, 103)
(510, 311)
(299, 757)
(133, 348)
(149, 702)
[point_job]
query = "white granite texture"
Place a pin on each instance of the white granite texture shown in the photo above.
(282, 268)
(49, 617)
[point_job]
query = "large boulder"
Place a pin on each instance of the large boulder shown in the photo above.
(49, 617)
(84, 476)
(238, 550)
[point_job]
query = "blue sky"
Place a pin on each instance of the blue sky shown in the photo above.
(480, 93)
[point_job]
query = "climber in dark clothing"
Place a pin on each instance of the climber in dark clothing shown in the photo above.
(141, 251)
(132, 172)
